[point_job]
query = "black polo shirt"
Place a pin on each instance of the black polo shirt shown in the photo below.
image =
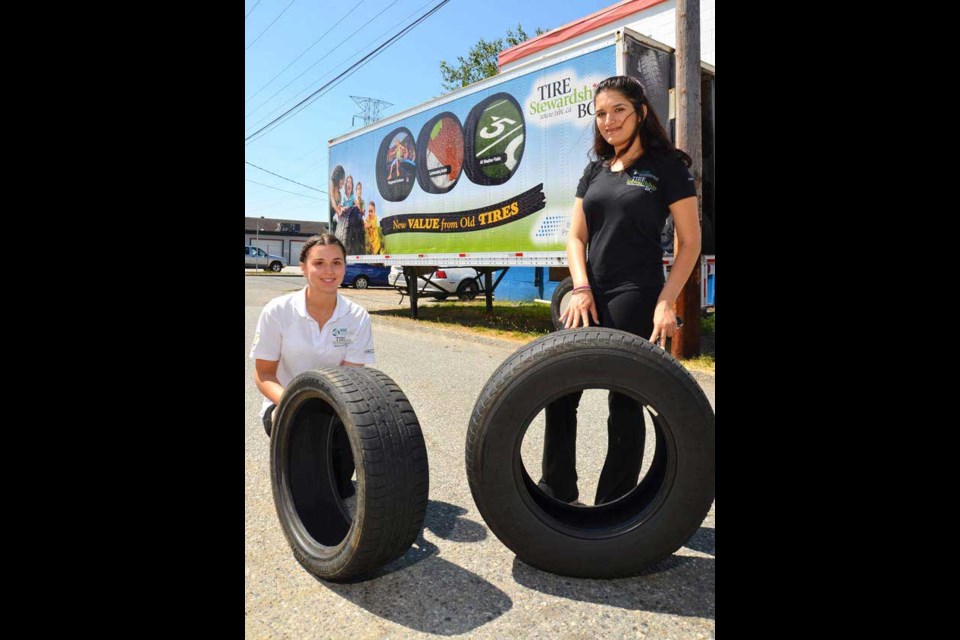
(625, 213)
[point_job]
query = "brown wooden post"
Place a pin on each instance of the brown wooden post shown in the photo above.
(687, 342)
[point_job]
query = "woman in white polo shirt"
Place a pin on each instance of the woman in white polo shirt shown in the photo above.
(312, 328)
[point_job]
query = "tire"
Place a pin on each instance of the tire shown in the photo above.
(560, 301)
(361, 282)
(449, 122)
(276, 267)
(400, 189)
(476, 168)
(467, 290)
(391, 466)
(618, 538)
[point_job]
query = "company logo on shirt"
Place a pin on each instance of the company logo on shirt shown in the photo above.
(341, 338)
(643, 178)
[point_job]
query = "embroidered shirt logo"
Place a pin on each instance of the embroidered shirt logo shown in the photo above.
(643, 178)
(341, 337)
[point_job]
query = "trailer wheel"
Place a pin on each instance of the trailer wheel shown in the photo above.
(560, 301)
(332, 537)
(626, 535)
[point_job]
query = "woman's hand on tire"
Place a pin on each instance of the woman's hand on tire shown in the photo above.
(664, 323)
(582, 308)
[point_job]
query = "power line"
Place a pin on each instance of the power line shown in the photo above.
(269, 25)
(268, 203)
(334, 48)
(316, 94)
(324, 145)
(355, 52)
(251, 9)
(309, 166)
(304, 51)
(278, 211)
(315, 149)
(287, 179)
(284, 190)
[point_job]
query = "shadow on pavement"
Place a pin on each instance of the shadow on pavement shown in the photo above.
(444, 521)
(679, 585)
(424, 592)
(703, 541)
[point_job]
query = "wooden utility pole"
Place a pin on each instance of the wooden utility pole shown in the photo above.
(687, 342)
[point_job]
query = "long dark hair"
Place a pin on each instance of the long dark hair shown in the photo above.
(653, 137)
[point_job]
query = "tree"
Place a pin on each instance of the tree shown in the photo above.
(481, 61)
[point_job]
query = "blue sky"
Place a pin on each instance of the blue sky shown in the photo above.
(406, 74)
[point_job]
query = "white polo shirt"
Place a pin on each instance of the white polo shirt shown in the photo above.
(287, 333)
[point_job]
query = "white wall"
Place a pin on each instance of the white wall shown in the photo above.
(295, 247)
(276, 245)
(656, 22)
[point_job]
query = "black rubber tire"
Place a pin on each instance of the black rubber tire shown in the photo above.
(561, 298)
(391, 467)
(276, 267)
(619, 538)
(398, 191)
(361, 282)
(467, 290)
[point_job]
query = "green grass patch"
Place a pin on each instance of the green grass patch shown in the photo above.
(521, 321)
(704, 362)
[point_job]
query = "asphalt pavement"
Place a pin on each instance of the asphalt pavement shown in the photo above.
(458, 579)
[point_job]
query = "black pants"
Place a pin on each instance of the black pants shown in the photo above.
(343, 465)
(629, 311)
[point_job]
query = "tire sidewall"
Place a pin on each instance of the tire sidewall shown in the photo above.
(315, 557)
(541, 540)
(556, 301)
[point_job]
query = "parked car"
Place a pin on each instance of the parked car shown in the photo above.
(457, 281)
(361, 276)
(257, 257)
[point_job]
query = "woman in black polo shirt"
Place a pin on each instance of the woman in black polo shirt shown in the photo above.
(622, 203)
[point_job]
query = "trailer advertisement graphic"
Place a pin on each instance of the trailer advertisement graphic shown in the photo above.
(498, 214)
(494, 170)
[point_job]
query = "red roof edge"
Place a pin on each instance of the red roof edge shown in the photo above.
(573, 29)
